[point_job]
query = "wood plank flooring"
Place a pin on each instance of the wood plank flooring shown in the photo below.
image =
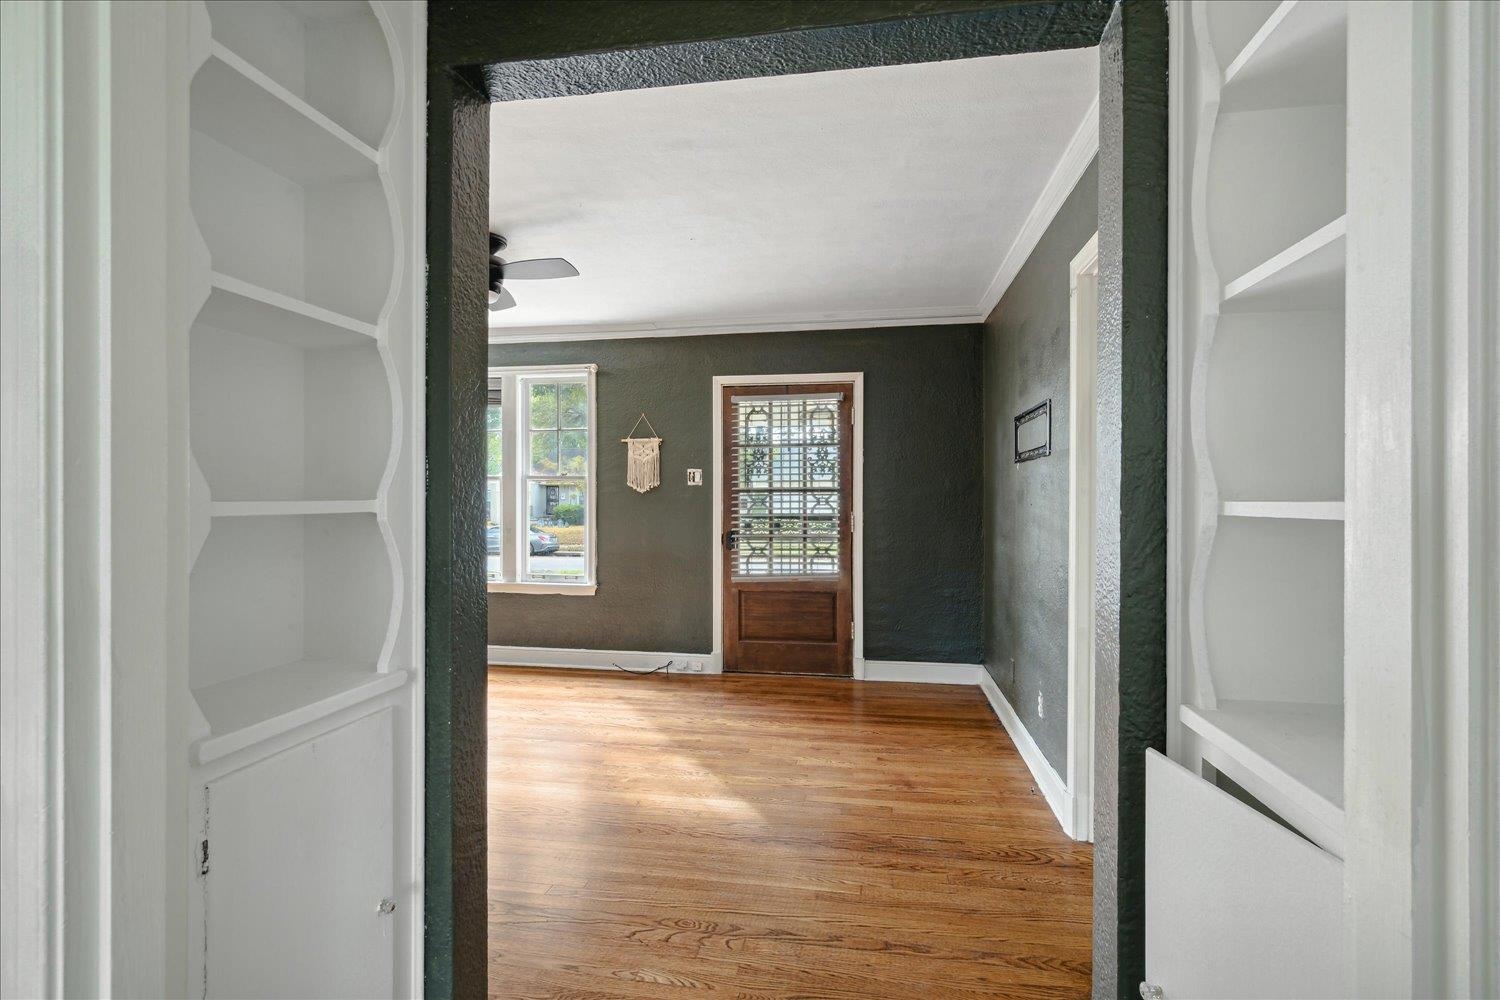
(771, 837)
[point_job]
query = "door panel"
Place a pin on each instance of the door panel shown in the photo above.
(788, 562)
(1236, 906)
(782, 615)
(300, 854)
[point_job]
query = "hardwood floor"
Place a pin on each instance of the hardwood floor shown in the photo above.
(771, 837)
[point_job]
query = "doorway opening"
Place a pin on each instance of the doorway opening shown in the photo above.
(456, 842)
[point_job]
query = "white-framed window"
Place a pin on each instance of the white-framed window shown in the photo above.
(539, 480)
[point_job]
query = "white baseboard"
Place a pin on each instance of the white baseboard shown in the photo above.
(912, 672)
(1052, 787)
(600, 659)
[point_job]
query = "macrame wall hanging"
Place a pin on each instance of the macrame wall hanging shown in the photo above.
(642, 459)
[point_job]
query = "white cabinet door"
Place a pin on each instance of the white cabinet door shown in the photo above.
(1236, 905)
(299, 857)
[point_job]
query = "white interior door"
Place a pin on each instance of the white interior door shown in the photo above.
(1236, 905)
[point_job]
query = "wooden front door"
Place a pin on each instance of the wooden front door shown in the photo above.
(788, 536)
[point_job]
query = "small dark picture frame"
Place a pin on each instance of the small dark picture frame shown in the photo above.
(1035, 427)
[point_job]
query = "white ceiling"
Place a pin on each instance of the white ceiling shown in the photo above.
(848, 198)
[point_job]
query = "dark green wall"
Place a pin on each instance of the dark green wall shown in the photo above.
(922, 488)
(1026, 361)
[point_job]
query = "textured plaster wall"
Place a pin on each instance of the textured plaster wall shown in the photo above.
(923, 583)
(1026, 361)
(1130, 541)
(454, 896)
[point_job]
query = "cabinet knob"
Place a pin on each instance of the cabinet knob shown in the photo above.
(1150, 991)
(387, 905)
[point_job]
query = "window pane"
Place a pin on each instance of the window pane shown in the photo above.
(787, 495)
(543, 405)
(494, 442)
(493, 494)
(558, 532)
(544, 453)
(575, 453)
(573, 401)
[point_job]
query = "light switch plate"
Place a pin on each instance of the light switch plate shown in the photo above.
(695, 477)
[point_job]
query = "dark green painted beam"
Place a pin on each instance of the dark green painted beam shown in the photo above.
(455, 900)
(481, 32)
(1130, 657)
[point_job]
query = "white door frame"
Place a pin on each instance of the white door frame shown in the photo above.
(1083, 296)
(857, 501)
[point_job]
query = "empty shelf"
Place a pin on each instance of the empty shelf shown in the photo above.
(240, 307)
(288, 508)
(1307, 275)
(247, 111)
(1289, 755)
(1296, 59)
(246, 710)
(1306, 510)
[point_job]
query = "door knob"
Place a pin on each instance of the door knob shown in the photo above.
(1150, 991)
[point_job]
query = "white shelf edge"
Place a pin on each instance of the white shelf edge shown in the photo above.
(1303, 510)
(1286, 259)
(286, 303)
(289, 508)
(1258, 40)
(1311, 812)
(218, 50)
(1293, 27)
(218, 745)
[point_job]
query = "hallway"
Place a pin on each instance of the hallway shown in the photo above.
(745, 836)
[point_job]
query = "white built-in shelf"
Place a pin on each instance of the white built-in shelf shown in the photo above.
(288, 508)
(241, 307)
(247, 710)
(1309, 274)
(1288, 755)
(246, 110)
(1296, 59)
(1302, 510)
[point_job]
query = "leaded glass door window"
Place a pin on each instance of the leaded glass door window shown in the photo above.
(787, 509)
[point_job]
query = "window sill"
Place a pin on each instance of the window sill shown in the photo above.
(569, 589)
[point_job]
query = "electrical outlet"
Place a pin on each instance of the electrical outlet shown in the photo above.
(692, 666)
(695, 477)
(1040, 709)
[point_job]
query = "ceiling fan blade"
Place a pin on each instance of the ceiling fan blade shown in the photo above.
(502, 300)
(541, 267)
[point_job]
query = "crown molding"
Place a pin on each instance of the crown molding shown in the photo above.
(824, 321)
(1075, 160)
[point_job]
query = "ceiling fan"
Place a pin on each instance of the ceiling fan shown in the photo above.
(500, 271)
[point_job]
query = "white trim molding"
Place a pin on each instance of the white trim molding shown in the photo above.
(912, 672)
(601, 659)
(1075, 160)
(857, 379)
(1048, 781)
(1083, 302)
